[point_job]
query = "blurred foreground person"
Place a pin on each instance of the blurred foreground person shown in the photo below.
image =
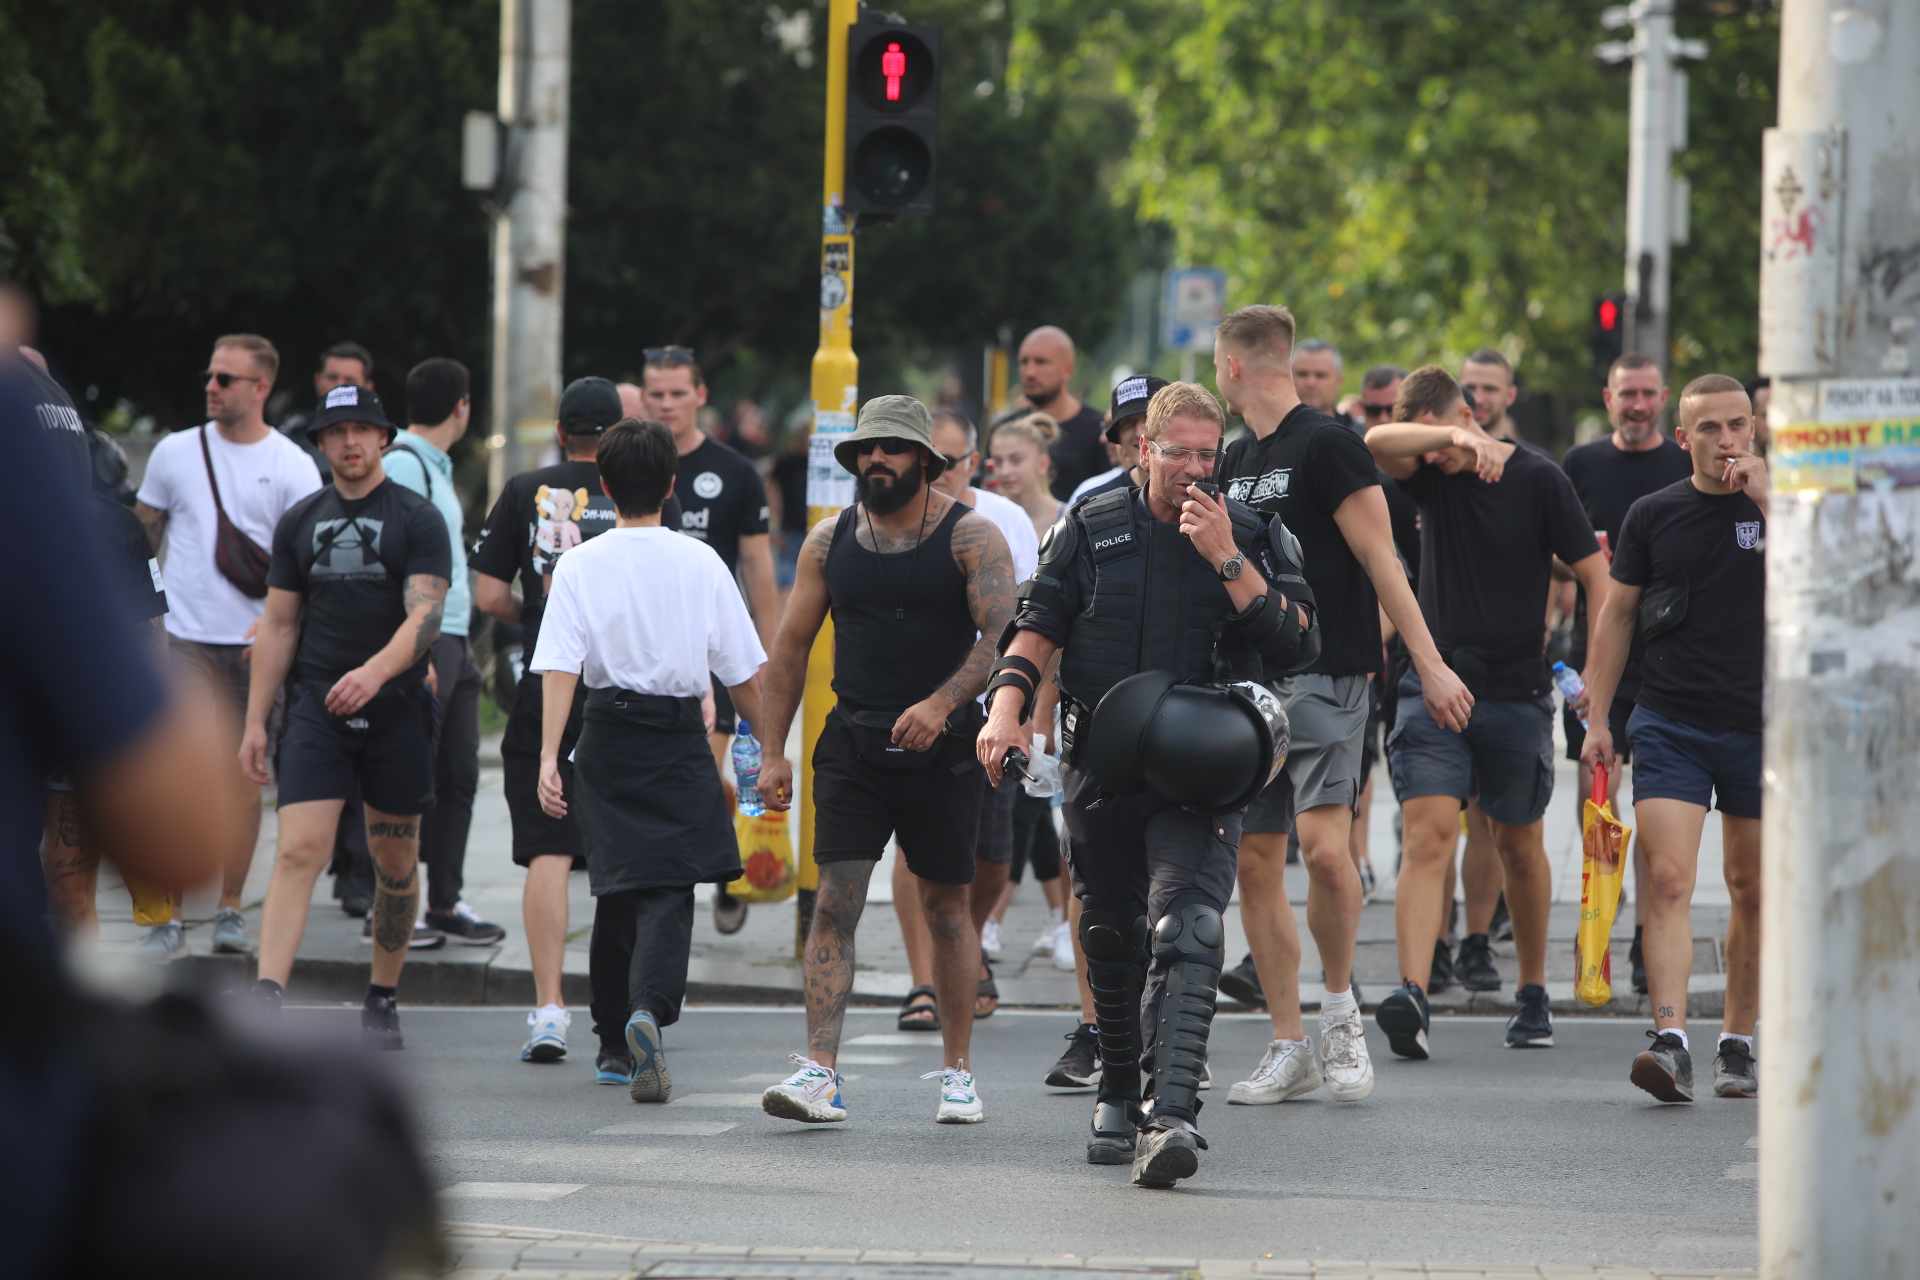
(355, 594)
(645, 620)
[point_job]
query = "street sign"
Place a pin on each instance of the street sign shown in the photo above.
(1196, 299)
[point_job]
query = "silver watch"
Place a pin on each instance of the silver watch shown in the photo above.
(1231, 569)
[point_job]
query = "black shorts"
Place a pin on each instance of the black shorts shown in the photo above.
(388, 747)
(725, 719)
(1616, 722)
(995, 841)
(535, 833)
(1035, 841)
(934, 812)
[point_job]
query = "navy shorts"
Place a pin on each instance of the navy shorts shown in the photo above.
(388, 747)
(1617, 717)
(1504, 760)
(1675, 761)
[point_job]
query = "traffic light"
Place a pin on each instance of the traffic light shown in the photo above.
(893, 115)
(1606, 336)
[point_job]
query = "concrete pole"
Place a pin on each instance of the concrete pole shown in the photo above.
(1840, 964)
(529, 235)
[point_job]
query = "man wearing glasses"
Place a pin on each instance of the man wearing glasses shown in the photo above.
(723, 503)
(238, 466)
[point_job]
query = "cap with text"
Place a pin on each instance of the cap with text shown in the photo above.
(1130, 399)
(350, 403)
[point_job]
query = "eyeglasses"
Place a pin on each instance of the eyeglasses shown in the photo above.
(1376, 410)
(668, 355)
(227, 379)
(885, 444)
(1178, 455)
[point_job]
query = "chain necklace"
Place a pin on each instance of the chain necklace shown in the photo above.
(926, 506)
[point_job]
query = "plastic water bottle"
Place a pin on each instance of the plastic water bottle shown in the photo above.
(746, 771)
(1568, 681)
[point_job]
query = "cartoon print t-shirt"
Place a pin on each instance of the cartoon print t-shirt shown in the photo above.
(350, 560)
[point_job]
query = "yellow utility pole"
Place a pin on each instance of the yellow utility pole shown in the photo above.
(836, 398)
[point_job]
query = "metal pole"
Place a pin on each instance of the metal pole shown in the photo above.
(836, 397)
(1840, 959)
(529, 242)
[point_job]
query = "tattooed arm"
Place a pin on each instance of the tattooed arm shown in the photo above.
(426, 601)
(154, 521)
(980, 550)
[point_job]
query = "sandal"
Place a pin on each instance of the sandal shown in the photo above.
(924, 1016)
(988, 991)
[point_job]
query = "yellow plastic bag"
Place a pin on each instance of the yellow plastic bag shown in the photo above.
(766, 853)
(1604, 843)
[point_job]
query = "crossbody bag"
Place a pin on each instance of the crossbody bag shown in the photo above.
(240, 559)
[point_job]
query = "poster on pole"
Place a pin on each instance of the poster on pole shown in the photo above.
(828, 483)
(1195, 301)
(1866, 438)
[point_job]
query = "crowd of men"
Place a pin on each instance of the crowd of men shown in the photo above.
(1389, 570)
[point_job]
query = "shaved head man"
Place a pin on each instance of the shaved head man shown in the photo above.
(1046, 372)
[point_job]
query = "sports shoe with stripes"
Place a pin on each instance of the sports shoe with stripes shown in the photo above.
(810, 1095)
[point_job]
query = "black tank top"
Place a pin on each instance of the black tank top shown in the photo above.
(901, 626)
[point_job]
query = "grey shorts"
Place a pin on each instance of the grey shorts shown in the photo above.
(1504, 760)
(1328, 718)
(228, 670)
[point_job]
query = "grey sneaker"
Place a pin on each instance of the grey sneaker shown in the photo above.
(230, 933)
(1735, 1074)
(164, 943)
(1665, 1070)
(1163, 1156)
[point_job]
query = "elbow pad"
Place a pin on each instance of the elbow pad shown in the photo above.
(1276, 634)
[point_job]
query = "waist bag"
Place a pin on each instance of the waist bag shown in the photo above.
(240, 559)
(1663, 606)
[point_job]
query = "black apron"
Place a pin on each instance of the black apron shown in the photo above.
(653, 814)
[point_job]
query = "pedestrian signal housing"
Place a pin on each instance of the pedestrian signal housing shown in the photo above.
(893, 115)
(1606, 335)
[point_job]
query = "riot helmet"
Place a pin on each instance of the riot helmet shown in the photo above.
(1210, 748)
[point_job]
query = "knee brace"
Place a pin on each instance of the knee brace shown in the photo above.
(1113, 937)
(1189, 941)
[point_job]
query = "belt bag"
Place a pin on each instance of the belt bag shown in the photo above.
(873, 740)
(377, 713)
(1663, 606)
(240, 559)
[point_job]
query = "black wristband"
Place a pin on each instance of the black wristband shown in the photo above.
(1014, 662)
(1013, 679)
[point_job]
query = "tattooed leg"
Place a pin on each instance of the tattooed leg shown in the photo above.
(73, 873)
(394, 842)
(829, 961)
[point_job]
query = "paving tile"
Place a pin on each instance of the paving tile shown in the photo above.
(721, 1250)
(1104, 1262)
(1211, 1267)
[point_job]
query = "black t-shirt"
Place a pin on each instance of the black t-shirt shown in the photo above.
(1079, 451)
(539, 516)
(790, 475)
(1609, 480)
(1305, 468)
(132, 567)
(1403, 513)
(351, 560)
(1707, 670)
(721, 499)
(1486, 563)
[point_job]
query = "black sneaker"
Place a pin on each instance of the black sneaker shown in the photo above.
(1115, 1126)
(1405, 1020)
(1638, 963)
(1665, 1070)
(613, 1066)
(1079, 1066)
(1501, 930)
(1242, 984)
(1531, 1026)
(1735, 1075)
(464, 925)
(1474, 966)
(729, 912)
(1442, 975)
(356, 904)
(380, 1023)
(425, 936)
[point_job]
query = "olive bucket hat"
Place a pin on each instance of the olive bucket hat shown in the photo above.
(895, 418)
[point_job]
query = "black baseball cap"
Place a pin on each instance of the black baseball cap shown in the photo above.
(1130, 401)
(589, 406)
(350, 403)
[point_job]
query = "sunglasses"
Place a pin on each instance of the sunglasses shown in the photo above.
(885, 444)
(1376, 410)
(956, 461)
(226, 379)
(668, 355)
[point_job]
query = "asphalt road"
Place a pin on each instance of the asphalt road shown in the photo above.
(1483, 1155)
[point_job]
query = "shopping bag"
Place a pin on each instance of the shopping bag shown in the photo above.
(766, 855)
(1604, 841)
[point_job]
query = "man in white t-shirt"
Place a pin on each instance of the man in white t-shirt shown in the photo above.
(648, 620)
(216, 574)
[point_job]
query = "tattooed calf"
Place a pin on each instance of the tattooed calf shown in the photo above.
(397, 830)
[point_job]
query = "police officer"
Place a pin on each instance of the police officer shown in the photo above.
(1168, 579)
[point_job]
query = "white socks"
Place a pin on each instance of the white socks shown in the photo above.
(1054, 916)
(1681, 1032)
(1745, 1040)
(1335, 1005)
(558, 1011)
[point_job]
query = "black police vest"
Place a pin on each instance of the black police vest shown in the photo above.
(1157, 604)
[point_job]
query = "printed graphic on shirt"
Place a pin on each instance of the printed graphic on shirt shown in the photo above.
(1254, 490)
(1747, 534)
(708, 484)
(347, 550)
(557, 528)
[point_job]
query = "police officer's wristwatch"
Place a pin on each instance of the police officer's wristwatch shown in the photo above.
(1231, 569)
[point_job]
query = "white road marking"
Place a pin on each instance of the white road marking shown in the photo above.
(513, 1190)
(666, 1128)
(1744, 1172)
(717, 1099)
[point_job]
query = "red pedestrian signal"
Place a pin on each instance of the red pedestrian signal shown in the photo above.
(1609, 314)
(1606, 337)
(893, 116)
(893, 65)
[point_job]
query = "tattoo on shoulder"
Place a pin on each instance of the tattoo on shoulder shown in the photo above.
(819, 539)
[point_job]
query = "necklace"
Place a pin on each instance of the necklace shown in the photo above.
(926, 506)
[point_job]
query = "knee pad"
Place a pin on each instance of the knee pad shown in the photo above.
(1112, 932)
(1192, 931)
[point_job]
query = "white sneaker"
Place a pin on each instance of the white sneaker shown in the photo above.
(1343, 1054)
(546, 1035)
(1286, 1071)
(990, 938)
(959, 1102)
(1044, 943)
(810, 1095)
(1063, 947)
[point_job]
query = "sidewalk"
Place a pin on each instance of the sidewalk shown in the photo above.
(479, 1251)
(758, 964)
